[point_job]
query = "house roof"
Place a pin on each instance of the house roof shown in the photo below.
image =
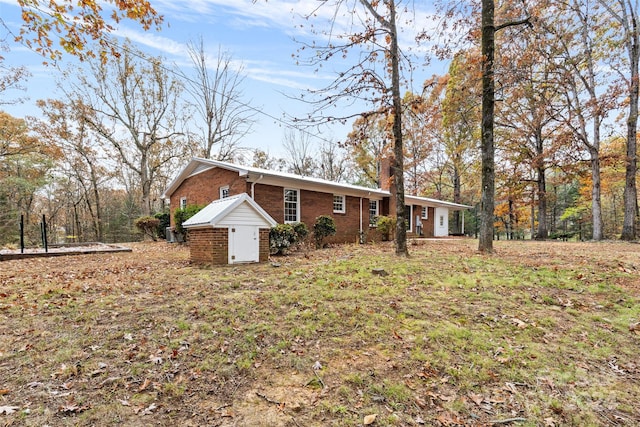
(217, 210)
(284, 179)
(265, 176)
(416, 200)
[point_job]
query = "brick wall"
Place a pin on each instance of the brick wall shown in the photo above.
(348, 224)
(314, 204)
(264, 244)
(271, 199)
(203, 188)
(428, 225)
(209, 246)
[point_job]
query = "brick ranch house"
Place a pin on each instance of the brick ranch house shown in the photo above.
(293, 198)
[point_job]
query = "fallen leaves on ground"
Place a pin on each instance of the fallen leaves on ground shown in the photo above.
(449, 337)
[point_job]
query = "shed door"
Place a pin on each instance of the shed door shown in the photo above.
(244, 244)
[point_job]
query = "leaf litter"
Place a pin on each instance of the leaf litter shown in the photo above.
(534, 335)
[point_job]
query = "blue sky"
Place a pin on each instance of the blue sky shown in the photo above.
(259, 35)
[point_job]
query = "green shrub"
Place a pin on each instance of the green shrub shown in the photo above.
(386, 226)
(164, 221)
(301, 230)
(181, 215)
(324, 227)
(285, 237)
(148, 225)
(281, 238)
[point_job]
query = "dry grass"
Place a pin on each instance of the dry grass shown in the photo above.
(539, 334)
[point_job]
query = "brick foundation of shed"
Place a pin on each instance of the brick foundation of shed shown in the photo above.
(210, 246)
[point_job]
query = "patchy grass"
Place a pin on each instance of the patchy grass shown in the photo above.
(538, 334)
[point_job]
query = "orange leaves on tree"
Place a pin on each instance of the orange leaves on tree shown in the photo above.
(77, 24)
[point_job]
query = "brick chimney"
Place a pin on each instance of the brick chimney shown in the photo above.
(385, 172)
(386, 181)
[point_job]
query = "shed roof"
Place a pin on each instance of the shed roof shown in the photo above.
(216, 211)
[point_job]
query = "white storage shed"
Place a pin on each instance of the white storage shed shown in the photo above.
(230, 231)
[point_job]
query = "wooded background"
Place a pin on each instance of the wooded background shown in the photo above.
(566, 91)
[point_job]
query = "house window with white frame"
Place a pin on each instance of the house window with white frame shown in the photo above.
(441, 220)
(291, 205)
(224, 192)
(339, 205)
(373, 212)
(425, 212)
(183, 203)
(408, 219)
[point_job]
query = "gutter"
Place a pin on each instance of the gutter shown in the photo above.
(253, 186)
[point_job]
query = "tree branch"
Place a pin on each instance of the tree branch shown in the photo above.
(504, 25)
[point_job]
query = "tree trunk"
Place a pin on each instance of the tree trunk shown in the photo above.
(630, 189)
(398, 149)
(541, 179)
(487, 200)
(596, 204)
(457, 224)
(145, 183)
(96, 195)
(543, 229)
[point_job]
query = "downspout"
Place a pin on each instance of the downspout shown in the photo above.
(253, 186)
(361, 227)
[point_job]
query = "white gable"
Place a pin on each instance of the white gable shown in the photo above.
(243, 214)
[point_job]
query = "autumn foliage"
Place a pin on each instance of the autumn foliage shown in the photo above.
(76, 24)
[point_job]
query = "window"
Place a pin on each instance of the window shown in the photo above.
(224, 192)
(338, 204)
(291, 205)
(425, 212)
(408, 213)
(373, 212)
(441, 220)
(183, 202)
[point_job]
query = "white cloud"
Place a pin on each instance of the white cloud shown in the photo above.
(273, 74)
(154, 41)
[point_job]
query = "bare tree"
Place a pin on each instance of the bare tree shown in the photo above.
(262, 159)
(334, 164)
(300, 153)
(217, 95)
(374, 35)
(133, 105)
(81, 165)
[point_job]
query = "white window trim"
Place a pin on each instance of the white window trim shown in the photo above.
(344, 204)
(183, 202)
(425, 212)
(222, 189)
(377, 202)
(284, 202)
